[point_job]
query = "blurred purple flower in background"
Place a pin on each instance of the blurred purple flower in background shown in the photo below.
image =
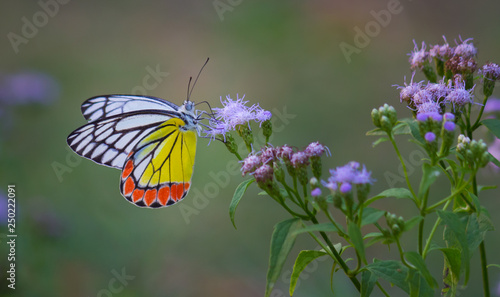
(28, 87)
(492, 105)
(3, 209)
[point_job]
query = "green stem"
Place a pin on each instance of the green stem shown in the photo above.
(476, 124)
(338, 258)
(391, 138)
(484, 269)
(421, 224)
(401, 253)
(445, 200)
(434, 228)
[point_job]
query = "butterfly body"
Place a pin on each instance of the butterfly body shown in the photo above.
(151, 140)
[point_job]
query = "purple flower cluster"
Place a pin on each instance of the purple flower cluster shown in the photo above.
(234, 113)
(343, 178)
(268, 155)
(433, 96)
(491, 71)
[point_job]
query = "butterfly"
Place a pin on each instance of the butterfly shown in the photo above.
(151, 140)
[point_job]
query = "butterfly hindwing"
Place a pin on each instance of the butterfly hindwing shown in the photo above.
(157, 172)
(108, 141)
(101, 107)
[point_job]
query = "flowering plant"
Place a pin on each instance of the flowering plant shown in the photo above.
(441, 108)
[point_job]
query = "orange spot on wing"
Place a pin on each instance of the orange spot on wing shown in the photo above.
(128, 187)
(148, 199)
(127, 169)
(150, 195)
(137, 195)
(163, 195)
(186, 187)
(177, 191)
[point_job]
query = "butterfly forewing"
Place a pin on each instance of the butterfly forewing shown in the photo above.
(108, 141)
(101, 107)
(158, 171)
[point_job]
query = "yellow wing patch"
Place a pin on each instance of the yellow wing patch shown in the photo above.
(158, 171)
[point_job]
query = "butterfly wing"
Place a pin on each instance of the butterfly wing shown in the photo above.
(108, 141)
(106, 106)
(157, 173)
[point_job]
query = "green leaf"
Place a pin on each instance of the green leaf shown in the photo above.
(394, 192)
(413, 125)
(475, 201)
(412, 222)
(401, 128)
(393, 271)
(416, 260)
(325, 227)
(356, 238)
(455, 234)
(493, 125)
(281, 243)
(429, 176)
(376, 131)
(371, 215)
(303, 259)
(452, 268)
(493, 265)
(380, 140)
(418, 285)
(238, 194)
(368, 280)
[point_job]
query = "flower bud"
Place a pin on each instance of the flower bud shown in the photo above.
(267, 129)
(376, 117)
(230, 143)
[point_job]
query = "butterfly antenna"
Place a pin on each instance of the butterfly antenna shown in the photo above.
(191, 91)
(189, 84)
(210, 107)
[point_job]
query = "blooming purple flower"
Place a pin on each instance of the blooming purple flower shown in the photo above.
(315, 149)
(268, 154)
(430, 107)
(491, 71)
(459, 96)
(264, 174)
(409, 90)
(423, 96)
(316, 192)
(430, 137)
(419, 56)
(284, 152)
(442, 52)
(465, 49)
(438, 91)
(235, 112)
(250, 164)
(300, 159)
(216, 128)
(262, 115)
(350, 174)
(449, 126)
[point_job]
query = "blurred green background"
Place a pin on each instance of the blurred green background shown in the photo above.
(76, 232)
